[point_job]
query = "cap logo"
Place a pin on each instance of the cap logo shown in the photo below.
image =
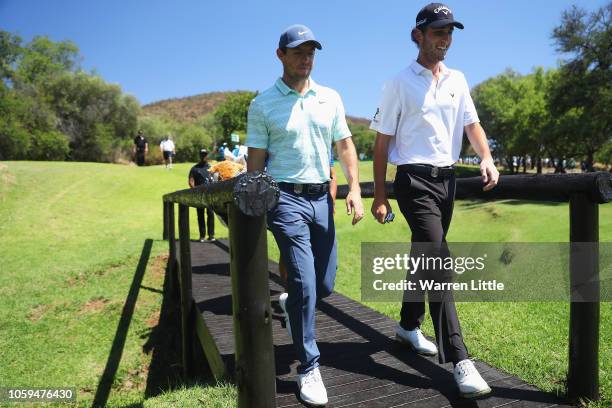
(302, 32)
(443, 9)
(421, 22)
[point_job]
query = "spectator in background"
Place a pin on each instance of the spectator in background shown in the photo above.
(236, 151)
(168, 150)
(199, 175)
(243, 151)
(221, 151)
(140, 148)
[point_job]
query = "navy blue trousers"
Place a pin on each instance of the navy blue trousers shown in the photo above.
(303, 226)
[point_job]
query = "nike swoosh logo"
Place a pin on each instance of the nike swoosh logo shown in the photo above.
(302, 32)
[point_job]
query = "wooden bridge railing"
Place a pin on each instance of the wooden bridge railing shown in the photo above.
(242, 202)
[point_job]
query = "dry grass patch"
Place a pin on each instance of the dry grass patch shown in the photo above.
(157, 270)
(136, 379)
(37, 313)
(94, 305)
(153, 320)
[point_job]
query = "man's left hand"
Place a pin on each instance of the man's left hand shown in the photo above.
(489, 173)
(354, 206)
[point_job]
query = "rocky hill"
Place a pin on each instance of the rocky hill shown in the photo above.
(190, 108)
(187, 109)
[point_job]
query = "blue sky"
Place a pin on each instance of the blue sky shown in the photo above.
(161, 49)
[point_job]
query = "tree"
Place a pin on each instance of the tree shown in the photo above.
(10, 50)
(532, 116)
(604, 155)
(496, 101)
(363, 138)
(190, 139)
(232, 114)
(582, 94)
(51, 110)
(515, 111)
(95, 115)
(42, 58)
(22, 118)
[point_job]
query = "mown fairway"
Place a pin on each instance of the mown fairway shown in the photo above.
(73, 233)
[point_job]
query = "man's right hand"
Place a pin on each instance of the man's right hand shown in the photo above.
(380, 209)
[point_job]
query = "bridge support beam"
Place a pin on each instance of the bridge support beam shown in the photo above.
(255, 370)
(583, 370)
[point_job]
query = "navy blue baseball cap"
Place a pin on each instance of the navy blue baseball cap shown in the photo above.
(436, 15)
(296, 35)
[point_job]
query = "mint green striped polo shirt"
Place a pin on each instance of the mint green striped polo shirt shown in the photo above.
(297, 130)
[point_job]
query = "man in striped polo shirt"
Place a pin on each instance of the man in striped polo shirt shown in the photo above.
(293, 124)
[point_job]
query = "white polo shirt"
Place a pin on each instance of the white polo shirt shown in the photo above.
(425, 119)
(167, 145)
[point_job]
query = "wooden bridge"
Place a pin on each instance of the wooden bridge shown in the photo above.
(361, 364)
(228, 293)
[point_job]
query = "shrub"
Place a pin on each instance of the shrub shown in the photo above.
(51, 145)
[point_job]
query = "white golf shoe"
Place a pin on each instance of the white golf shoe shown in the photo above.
(469, 381)
(282, 302)
(416, 340)
(312, 390)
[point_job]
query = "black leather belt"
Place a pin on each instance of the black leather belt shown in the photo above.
(305, 188)
(427, 170)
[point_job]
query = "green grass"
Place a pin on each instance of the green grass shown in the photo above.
(222, 396)
(70, 242)
(73, 234)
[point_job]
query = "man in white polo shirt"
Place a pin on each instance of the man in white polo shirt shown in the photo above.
(168, 150)
(420, 121)
(293, 124)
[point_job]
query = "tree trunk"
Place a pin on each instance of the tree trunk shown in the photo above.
(524, 164)
(539, 165)
(510, 164)
(590, 161)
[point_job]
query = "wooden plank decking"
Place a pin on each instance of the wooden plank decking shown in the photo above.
(361, 364)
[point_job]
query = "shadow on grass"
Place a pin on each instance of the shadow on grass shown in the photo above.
(164, 342)
(165, 372)
(112, 364)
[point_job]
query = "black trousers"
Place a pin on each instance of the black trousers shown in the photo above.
(427, 204)
(140, 158)
(210, 215)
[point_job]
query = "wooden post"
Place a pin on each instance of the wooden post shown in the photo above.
(172, 263)
(255, 371)
(583, 370)
(187, 332)
(165, 209)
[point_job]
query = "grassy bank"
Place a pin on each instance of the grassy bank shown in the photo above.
(71, 242)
